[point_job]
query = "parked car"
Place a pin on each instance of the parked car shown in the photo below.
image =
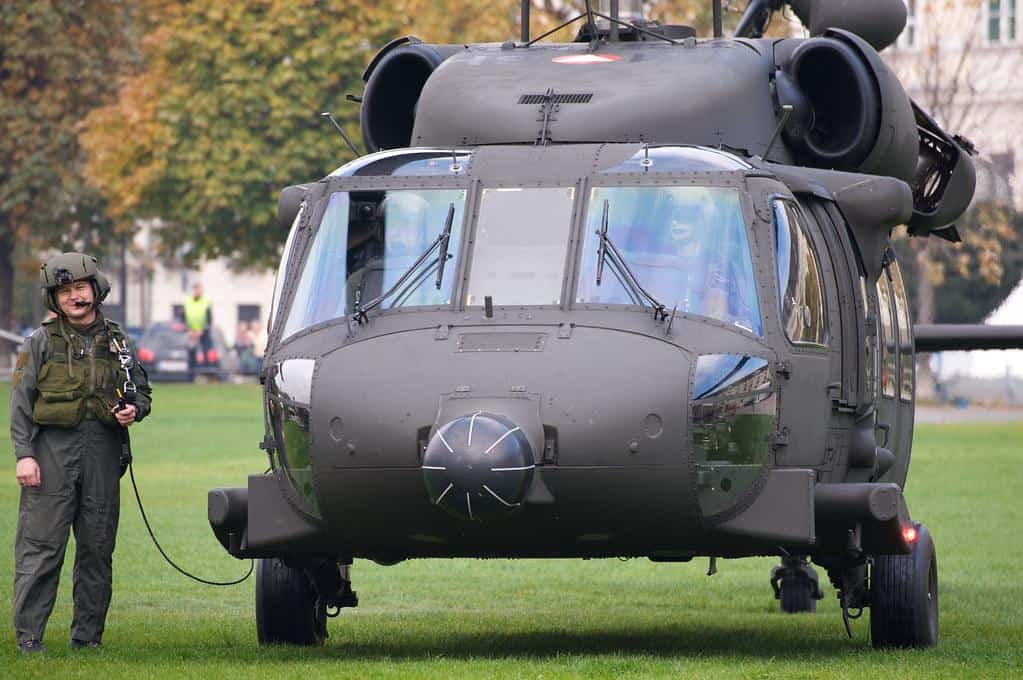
(165, 351)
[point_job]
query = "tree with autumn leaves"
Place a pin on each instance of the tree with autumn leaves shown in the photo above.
(58, 62)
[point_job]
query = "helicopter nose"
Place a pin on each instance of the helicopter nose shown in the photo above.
(478, 467)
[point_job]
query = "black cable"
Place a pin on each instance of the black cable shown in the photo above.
(145, 520)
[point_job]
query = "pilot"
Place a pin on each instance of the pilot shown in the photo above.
(703, 288)
(76, 388)
(700, 244)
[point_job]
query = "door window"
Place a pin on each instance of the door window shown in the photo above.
(887, 326)
(905, 334)
(801, 306)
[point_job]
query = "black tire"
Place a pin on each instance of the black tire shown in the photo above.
(287, 611)
(797, 596)
(904, 596)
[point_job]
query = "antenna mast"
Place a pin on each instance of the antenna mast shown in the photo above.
(718, 27)
(524, 16)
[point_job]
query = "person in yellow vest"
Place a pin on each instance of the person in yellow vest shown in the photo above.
(76, 387)
(199, 321)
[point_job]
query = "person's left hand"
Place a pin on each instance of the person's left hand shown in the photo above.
(126, 416)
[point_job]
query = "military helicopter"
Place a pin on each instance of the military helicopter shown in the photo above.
(628, 296)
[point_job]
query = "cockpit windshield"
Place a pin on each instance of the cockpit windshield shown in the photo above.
(366, 241)
(686, 245)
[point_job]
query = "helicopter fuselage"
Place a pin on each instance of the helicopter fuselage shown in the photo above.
(717, 415)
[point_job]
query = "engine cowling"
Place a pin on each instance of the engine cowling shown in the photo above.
(394, 81)
(851, 113)
(860, 119)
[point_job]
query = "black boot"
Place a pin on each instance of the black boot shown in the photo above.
(83, 644)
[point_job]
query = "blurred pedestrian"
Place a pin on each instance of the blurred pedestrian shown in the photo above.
(198, 322)
(259, 339)
(242, 338)
(243, 341)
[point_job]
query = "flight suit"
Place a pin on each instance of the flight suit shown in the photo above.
(63, 388)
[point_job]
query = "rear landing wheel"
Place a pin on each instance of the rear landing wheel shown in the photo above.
(287, 608)
(797, 597)
(795, 585)
(904, 596)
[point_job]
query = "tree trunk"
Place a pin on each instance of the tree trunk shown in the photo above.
(7, 282)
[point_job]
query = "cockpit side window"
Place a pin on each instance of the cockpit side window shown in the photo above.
(801, 306)
(282, 270)
(686, 245)
(367, 240)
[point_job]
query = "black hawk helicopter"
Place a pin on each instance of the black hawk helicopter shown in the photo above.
(628, 296)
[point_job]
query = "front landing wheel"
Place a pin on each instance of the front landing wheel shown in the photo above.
(287, 608)
(904, 596)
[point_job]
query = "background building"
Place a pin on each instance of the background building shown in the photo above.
(157, 287)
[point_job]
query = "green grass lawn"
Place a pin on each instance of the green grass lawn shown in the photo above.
(545, 618)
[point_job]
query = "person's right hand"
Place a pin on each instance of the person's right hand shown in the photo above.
(27, 472)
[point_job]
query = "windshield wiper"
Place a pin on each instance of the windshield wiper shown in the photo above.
(442, 256)
(441, 241)
(607, 250)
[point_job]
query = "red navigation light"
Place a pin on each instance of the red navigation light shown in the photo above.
(146, 355)
(909, 534)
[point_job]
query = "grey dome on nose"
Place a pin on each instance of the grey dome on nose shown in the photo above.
(478, 467)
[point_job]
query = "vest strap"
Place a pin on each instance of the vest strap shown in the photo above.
(128, 391)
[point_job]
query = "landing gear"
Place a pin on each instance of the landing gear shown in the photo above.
(796, 586)
(288, 610)
(904, 596)
(295, 598)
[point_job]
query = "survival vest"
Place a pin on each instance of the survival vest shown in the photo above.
(78, 381)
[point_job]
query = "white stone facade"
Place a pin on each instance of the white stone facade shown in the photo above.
(155, 288)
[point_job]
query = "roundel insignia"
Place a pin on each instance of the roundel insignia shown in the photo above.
(586, 59)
